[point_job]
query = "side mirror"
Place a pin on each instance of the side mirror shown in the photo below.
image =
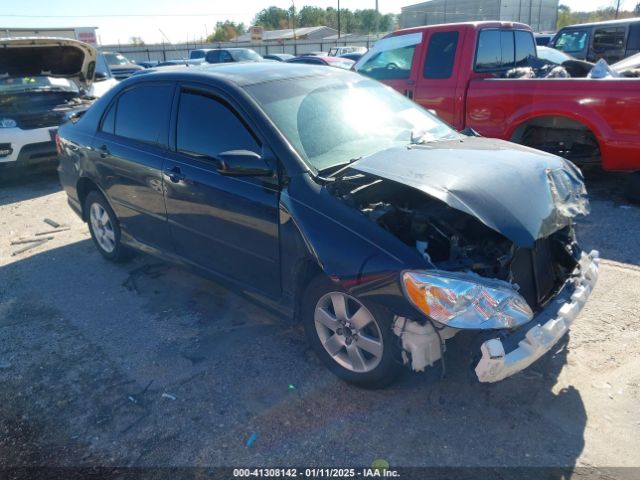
(243, 163)
(100, 76)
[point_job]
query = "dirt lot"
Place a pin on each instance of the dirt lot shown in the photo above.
(143, 364)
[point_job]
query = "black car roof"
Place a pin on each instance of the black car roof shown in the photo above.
(240, 73)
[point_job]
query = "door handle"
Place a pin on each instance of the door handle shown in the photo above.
(174, 173)
(104, 151)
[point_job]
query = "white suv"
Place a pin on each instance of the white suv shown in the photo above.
(43, 81)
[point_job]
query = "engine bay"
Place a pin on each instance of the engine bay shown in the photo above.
(451, 240)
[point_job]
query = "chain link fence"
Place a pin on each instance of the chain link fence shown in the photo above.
(164, 51)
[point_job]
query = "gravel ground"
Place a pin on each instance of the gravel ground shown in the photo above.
(143, 364)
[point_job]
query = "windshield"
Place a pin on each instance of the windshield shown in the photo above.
(245, 54)
(23, 84)
(331, 121)
(116, 59)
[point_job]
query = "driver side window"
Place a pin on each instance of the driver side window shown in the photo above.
(207, 127)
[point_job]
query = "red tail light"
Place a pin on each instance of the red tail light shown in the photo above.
(58, 144)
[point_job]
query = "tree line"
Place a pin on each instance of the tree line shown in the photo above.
(275, 18)
(371, 21)
(568, 17)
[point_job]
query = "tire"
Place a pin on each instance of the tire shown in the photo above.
(104, 228)
(633, 187)
(365, 353)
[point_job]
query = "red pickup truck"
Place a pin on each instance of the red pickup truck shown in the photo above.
(458, 70)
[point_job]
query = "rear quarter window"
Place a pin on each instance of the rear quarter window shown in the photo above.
(441, 54)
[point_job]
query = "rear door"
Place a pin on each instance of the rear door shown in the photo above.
(436, 85)
(395, 61)
(224, 224)
(129, 151)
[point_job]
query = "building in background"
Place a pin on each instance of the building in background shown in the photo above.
(84, 34)
(541, 15)
(304, 33)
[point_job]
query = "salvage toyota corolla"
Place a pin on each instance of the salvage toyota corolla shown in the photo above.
(342, 203)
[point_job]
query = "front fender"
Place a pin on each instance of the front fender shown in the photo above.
(358, 255)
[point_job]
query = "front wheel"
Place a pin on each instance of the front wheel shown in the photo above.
(355, 341)
(104, 228)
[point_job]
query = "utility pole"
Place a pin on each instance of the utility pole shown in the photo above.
(338, 18)
(617, 8)
(293, 19)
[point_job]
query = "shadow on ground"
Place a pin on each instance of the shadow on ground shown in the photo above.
(15, 187)
(172, 369)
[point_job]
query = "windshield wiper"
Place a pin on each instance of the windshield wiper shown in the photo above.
(344, 166)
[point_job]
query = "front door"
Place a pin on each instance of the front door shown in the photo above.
(225, 224)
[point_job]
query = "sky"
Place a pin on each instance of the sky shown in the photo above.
(177, 22)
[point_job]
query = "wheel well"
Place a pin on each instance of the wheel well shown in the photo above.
(84, 187)
(306, 271)
(559, 123)
(570, 135)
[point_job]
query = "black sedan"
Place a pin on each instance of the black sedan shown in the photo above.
(340, 202)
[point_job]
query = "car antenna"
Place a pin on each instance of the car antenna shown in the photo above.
(173, 46)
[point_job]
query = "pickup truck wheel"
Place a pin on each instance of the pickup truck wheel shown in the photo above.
(579, 146)
(104, 227)
(355, 341)
(633, 187)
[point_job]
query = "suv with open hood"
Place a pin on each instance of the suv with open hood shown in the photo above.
(43, 81)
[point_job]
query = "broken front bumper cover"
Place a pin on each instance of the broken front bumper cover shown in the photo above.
(546, 329)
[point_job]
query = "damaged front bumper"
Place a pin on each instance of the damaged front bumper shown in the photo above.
(502, 357)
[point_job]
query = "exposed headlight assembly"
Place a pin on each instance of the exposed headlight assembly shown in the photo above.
(466, 301)
(7, 123)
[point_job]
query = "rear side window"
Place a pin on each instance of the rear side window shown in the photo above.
(441, 54)
(610, 38)
(391, 58)
(143, 113)
(213, 57)
(207, 127)
(572, 41)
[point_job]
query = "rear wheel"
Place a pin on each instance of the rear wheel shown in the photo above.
(354, 340)
(104, 227)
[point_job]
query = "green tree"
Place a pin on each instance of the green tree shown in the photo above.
(272, 18)
(311, 16)
(226, 31)
(136, 41)
(564, 16)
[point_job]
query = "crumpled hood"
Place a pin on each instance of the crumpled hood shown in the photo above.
(51, 57)
(522, 193)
